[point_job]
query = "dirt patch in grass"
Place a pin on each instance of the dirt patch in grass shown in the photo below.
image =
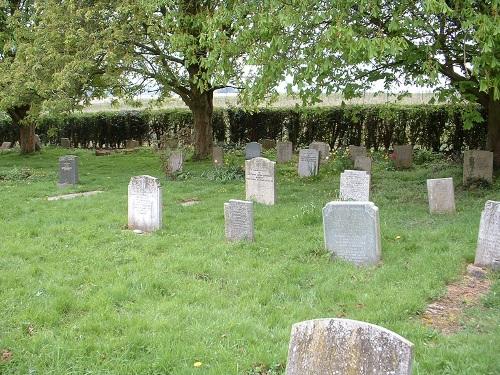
(445, 314)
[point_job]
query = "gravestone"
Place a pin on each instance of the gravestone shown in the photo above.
(308, 162)
(363, 163)
(175, 162)
(323, 148)
(403, 156)
(345, 347)
(68, 171)
(355, 186)
(284, 152)
(238, 217)
(38, 142)
(352, 231)
(218, 156)
(478, 166)
(488, 243)
(131, 144)
(252, 150)
(267, 144)
(65, 143)
(144, 203)
(441, 194)
(355, 151)
(102, 152)
(260, 184)
(5, 145)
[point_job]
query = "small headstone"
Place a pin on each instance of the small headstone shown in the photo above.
(478, 166)
(363, 163)
(144, 203)
(131, 144)
(355, 151)
(267, 144)
(260, 184)
(323, 148)
(344, 347)
(355, 186)
(308, 162)
(488, 243)
(441, 194)
(102, 152)
(352, 231)
(65, 143)
(5, 146)
(218, 156)
(68, 171)
(284, 152)
(38, 143)
(175, 162)
(253, 150)
(403, 156)
(238, 216)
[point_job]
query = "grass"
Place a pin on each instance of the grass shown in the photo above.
(80, 294)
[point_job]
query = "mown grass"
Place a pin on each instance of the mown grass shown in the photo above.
(80, 294)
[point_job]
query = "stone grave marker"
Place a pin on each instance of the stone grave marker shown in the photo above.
(175, 162)
(355, 151)
(284, 152)
(38, 143)
(131, 144)
(363, 163)
(218, 156)
(252, 150)
(144, 203)
(68, 171)
(65, 143)
(403, 156)
(355, 186)
(238, 217)
(478, 166)
(5, 146)
(260, 183)
(345, 347)
(441, 194)
(323, 148)
(267, 144)
(308, 162)
(352, 231)
(488, 243)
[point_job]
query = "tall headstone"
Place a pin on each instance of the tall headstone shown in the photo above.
(323, 148)
(218, 156)
(441, 194)
(478, 166)
(144, 203)
(403, 156)
(308, 162)
(363, 163)
(238, 217)
(344, 347)
(355, 151)
(5, 146)
(253, 150)
(175, 162)
(284, 152)
(68, 170)
(352, 231)
(260, 181)
(268, 144)
(65, 142)
(38, 143)
(355, 186)
(488, 243)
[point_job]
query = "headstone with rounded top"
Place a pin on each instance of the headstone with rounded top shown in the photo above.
(5, 146)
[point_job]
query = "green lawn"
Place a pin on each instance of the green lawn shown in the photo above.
(80, 294)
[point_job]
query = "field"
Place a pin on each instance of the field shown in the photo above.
(81, 294)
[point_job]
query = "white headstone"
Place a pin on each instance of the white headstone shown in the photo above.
(238, 217)
(144, 203)
(260, 180)
(441, 194)
(5, 146)
(323, 148)
(308, 162)
(284, 152)
(352, 231)
(253, 150)
(363, 163)
(355, 186)
(488, 243)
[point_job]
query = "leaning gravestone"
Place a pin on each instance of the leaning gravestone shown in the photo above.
(323, 148)
(5, 145)
(252, 150)
(355, 151)
(260, 184)
(268, 144)
(403, 156)
(68, 171)
(478, 166)
(238, 217)
(352, 231)
(345, 347)
(144, 203)
(65, 143)
(363, 163)
(355, 186)
(218, 156)
(488, 243)
(175, 162)
(441, 194)
(308, 162)
(284, 152)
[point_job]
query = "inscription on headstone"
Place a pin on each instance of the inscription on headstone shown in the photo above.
(65, 143)
(308, 162)
(260, 180)
(355, 186)
(144, 203)
(352, 231)
(363, 163)
(355, 151)
(253, 150)
(403, 156)
(478, 166)
(68, 170)
(218, 156)
(488, 243)
(441, 194)
(284, 152)
(175, 162)
(238, 217)
(323, 148)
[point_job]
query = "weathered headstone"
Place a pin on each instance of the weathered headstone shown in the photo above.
(488, 243)
(238, 216)
(478, 166)
(284, 152)
(131, 144)
(345, 347)
(355, 186)
(102, 152)
(441, 194)
(5, 146)
(38, 143)
(260, 181)
(403, 156)
(267, 144)
(363, 163)
(308, 162)
(355, 151)
(68, 170)
(175, 162)
(352, 231)
(252, 150)
(218, 156)
(144, 203)
(65, 143)
(323, 148)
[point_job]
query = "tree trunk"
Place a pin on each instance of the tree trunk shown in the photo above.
(26, 132)
(493, 138)
(202, 108)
